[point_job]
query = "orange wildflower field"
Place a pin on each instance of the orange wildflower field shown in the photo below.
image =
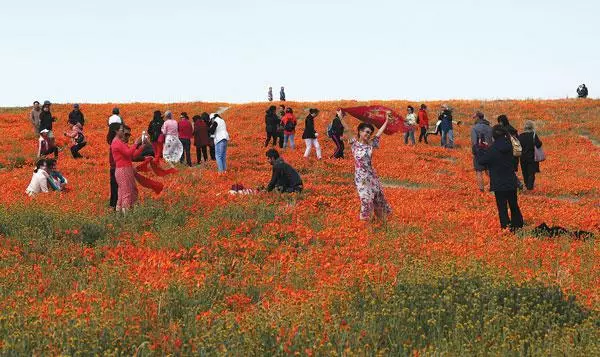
(197, 271)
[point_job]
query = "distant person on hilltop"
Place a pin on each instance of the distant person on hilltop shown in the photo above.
(582, 91)
(270, 94)
(481, 140)
(282, 94)
(285, 178)
(76, 116)
(423, 121)
(35, 117)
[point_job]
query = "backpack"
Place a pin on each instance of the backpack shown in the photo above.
(516, 146)
(481, 142)
(289, 125)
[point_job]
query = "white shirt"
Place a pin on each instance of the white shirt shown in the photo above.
(221, 131)
(39, 183)
(411, 119)
(115, 119)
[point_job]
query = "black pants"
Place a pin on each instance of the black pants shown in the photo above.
(423, 134)
(280, 136)
(284, 189)
(339, 146)
(114, 188)
(504, 200)
(201, 150)
(274, 136)
(187, 144)
(528, 169)
(51, 151)
(75, 149)
(211, 149)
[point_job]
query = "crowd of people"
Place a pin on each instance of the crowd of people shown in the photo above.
(498, 151)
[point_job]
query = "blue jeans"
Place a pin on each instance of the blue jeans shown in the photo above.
(221, 155)
(448, 138)
(291, 140)
(410, 134)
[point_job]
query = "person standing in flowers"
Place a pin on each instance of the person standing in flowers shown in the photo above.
(201, 139)
(282, 94)
(529, 141)
(423, 121)
(481, 140)
(336, 133)
(503, 180)
(272, 122)
(446, 128)
(219, 128)
(410, 122)
(173, 148)
(289, 128)
(310, 134)
(46, 120)
(114, 187)
(186, 131)
(123, 155)
(367, 183)
(76, 116)
(35, 117)
(155, 134)
(503, 121)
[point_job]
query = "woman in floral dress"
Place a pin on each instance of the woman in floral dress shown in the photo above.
(367, 183)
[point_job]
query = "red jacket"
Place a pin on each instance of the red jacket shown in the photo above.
(288, 117)
(423, 119)
(185, 129)
(123, 154)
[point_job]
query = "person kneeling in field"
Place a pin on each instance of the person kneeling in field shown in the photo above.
(39, 180)
(285, 178)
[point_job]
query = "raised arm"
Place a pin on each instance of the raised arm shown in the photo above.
(382, 129)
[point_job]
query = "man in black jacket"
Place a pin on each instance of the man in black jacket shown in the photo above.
(285, 178)
(76, 116)
(503, 180)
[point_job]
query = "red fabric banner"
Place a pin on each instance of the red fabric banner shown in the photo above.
(376, 114)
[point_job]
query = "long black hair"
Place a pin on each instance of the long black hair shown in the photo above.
(112, 132)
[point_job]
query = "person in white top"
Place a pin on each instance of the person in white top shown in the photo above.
(115, 118)
(39, 180)
(218, 131)
(410, 122)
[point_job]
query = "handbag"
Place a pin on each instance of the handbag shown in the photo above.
(516, 146)
(538, 153)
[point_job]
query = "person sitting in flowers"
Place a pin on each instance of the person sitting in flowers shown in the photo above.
(285, 178)
(56, 180)
(39, 180)
(367, 183)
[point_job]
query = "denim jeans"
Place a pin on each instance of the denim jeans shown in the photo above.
(410, 134)
(290, 139)
(221, 155)
(448, 138)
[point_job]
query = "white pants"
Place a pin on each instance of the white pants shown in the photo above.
(309, 144)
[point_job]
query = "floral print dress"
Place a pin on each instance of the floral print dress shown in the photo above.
(369, 188)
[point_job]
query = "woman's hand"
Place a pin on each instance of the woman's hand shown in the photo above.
(382, 129)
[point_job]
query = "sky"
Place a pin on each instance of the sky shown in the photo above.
(233, 50)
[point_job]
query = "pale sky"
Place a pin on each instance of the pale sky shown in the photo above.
(232, 50)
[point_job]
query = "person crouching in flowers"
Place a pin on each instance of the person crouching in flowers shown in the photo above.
(57, 181)
(368, 185)
(123, 155)
(39, 180)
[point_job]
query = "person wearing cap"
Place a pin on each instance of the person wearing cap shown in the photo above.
(46, 145)
(172, 149)
(46, 119)
(76, 116)
(481, 140)
(282, 94)
(115, 117)
(218, 130)
(35, 117)
(446, 127)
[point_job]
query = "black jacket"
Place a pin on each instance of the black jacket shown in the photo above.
(155, 129)
(499, 161)
(337, 128)
(527, 141)
(46, 120)
(284, 175)
(76, 117)
(271, 122)
(446, 118)
(309, 128)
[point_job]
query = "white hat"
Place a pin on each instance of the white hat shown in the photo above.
(44, 131)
